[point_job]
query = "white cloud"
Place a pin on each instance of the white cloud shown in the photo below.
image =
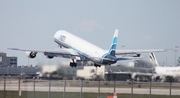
(149, 38)
(89, 26)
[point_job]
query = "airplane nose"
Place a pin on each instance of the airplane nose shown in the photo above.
(59, 33)
(56, 35)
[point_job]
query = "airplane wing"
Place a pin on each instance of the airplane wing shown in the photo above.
(51, 53)
(125, 52)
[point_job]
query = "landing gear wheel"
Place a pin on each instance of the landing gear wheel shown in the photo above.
(73, 64)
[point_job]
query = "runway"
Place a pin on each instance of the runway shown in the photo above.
(156, 91)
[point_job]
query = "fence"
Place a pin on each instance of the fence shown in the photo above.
(35, 88)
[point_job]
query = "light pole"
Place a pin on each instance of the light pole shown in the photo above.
(8, 70)
(175, 51)
(22, 70)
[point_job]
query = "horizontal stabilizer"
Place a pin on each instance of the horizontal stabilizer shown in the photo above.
(129, 58)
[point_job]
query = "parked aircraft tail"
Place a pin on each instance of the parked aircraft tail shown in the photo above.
(153, 59)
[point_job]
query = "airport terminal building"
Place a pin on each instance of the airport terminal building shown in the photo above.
(9, 67)
(7, 61)
(110, 73)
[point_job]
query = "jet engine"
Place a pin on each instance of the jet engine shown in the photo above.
(31, 54)
(49, 57)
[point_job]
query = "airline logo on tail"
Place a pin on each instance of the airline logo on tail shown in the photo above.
(112, 49)
(109, 57)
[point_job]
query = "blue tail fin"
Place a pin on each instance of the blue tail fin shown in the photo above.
(112, 49)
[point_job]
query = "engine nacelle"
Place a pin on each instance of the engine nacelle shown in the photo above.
(155, 77)
(49, 57)
(31, 54)
(137, 55)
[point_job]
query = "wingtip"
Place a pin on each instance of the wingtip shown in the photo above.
(12, 48)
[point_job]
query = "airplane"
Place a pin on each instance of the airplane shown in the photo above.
(164, 73)
(75, 47)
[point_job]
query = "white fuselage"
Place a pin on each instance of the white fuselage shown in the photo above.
(168, 71)
(81, 46)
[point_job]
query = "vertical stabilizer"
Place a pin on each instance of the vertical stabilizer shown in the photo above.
(153, 59)
(112, 49)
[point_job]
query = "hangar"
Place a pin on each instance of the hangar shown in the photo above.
(119, 73)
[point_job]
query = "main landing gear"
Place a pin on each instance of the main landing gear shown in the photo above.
(97, 65)
(73, 64)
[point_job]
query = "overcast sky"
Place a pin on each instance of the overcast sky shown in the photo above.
(142, 24)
